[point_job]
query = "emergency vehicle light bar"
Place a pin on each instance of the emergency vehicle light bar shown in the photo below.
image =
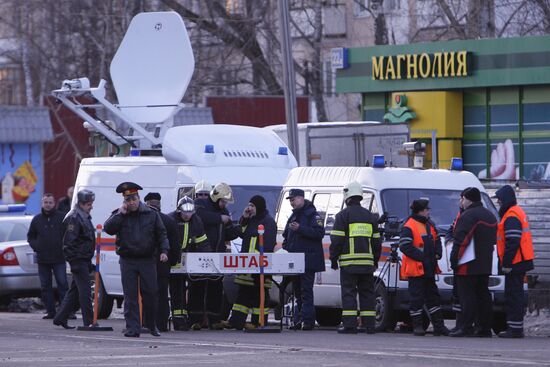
(456, 164)
(12, 208)
(378, 161)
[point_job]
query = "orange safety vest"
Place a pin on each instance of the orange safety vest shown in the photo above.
(411, 267)
(526, 251)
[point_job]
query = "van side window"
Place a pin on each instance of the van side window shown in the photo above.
(186, 191)
(334, 206)
(321, 202)
(369, 202)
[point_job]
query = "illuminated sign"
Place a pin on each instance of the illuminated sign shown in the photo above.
(421, 66)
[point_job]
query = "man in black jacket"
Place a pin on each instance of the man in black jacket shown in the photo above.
(152, 200)
(303, 233)
(141, 236)
(78, 248)
(190, 237)
(248, 294)
(476, 227)
(208, 293)
(355, 247)
(45, 236)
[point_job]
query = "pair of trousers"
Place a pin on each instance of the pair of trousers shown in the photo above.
(46, 286)
(423, 291)
(178, 295)
(144, 270)
(352, 284)
(205, 295)
(303, 290)
(476, 302)
(248, 300)
(515, 301)
(80, 292)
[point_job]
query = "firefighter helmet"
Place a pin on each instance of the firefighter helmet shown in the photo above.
(203, 186)
(353, 189)
(222, 191)
(186, 204)
(85, 196)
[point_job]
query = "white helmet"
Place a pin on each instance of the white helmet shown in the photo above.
(186, 204)
(221, 191)
(352, 189)
(203, 186)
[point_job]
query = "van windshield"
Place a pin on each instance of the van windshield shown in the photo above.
(443, 203)
(243, 194)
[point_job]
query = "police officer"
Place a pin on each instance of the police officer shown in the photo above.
(190, 237)
(515, 254)
(140, 237)
(208, 293)
(421, 249)
(78, 248)
(248, 294)
(152, 200)
(476, 226)
(355, 246)
(304, 233)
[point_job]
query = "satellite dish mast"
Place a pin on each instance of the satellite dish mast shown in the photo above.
(151, 71)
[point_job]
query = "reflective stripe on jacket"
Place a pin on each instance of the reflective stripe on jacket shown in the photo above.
(525, 251)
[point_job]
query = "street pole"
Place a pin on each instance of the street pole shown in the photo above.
(289, 79)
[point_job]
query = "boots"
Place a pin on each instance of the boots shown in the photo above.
(439, 324)
(509, 333)
(180, 323)
(418, 327)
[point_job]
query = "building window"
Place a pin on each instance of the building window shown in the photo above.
(329, 79)
(10, 90)
(364, 8)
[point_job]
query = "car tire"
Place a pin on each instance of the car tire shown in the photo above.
(385, 316)
(105, 302)
(330, 317)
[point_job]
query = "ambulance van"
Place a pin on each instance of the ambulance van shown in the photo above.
(389, 191)
(252, 161)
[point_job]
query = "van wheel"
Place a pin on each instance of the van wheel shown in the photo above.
(385, 316)
(105, 302)
(499, 322)
(328, 316)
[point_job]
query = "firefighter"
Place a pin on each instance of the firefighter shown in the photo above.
(248, 294)
(421, 249)
(515, 254)
(207, 294)
(190, 237)
(355, 247)
(202, 189)
(476, 227)
(152, 200)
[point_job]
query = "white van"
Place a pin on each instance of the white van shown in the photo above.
(390, 191)
(251, 160)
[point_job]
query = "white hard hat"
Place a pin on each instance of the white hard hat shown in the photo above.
(221, 191)
(353, 188)
(203, 186)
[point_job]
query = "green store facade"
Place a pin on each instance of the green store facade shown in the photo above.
(488, 100)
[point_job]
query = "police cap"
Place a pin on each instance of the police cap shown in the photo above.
(128, 188)
(295, 192)
(152, 196)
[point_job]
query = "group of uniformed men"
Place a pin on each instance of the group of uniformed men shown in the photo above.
(149, 243)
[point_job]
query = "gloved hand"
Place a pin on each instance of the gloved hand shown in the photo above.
(334, 264)
(506, 270)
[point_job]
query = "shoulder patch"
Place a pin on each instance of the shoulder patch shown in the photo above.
(70, 227)
(318, 219)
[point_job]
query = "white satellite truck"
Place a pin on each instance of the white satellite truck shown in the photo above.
(389, 191)
(151, 71)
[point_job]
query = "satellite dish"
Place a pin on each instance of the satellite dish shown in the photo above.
(152, 67)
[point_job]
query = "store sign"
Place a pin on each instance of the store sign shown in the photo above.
(421, 66)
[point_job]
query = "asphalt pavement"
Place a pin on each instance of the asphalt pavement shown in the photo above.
(27, 340)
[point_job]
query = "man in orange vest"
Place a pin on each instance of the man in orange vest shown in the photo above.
(472, 261)
(515, 254)
(421, 249)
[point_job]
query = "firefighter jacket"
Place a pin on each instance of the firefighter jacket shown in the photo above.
(216, 231)
(514, 241)
(250, 243)
(308, 239)
(79, 237)
(355, 239)
(190, 236)
(45, 236)
(479, 224)
(421, 248)
(139, 235)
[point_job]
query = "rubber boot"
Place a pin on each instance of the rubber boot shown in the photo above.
(180, 323)
(418, 327)
(439, 324)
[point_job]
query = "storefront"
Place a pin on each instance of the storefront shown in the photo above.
(488, 101)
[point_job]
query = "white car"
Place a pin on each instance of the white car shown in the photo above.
(18, 268)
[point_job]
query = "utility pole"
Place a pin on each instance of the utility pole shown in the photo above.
(289, 79)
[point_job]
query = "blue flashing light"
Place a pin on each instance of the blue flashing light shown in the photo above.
(209, 148)
(12, 208)
(134, 152)
(378, 161)
(456, 164)
(283, 151)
